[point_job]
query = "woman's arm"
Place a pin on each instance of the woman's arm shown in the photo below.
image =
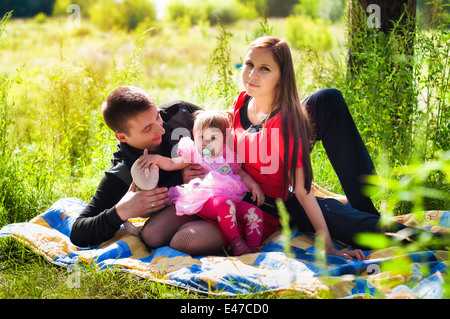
(315, 215)
(312, 209)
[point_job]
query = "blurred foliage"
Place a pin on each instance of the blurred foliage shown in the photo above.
(279, 8)
(26, 8)
(286, 231)
(198, 11)
(126, 14)
(111, 14)
(303, 32)
(426, 12)
(411, 184)
(331, 10)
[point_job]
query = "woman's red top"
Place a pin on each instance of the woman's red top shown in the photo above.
(262, 152)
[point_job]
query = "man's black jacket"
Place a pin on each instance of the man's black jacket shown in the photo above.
(99, 221)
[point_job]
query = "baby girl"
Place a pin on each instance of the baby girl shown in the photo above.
(218, 196)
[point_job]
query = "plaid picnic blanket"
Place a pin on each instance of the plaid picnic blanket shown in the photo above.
(270, 270)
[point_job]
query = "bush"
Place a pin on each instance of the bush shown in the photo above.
(180, 10)
(40, 18)
(211, 10)
(306, 32)
(26, 8)
(126, 15)
(279, 8)
(432, 77)
(60, 7)
(259, 5)
(226, 11)
(332, 10)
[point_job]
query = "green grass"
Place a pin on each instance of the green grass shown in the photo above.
(23, 274)
(26, 275)
(58, 146)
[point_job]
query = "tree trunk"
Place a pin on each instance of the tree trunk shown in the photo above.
(380, 14)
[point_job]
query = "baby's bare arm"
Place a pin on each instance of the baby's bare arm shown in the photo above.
(253, 186)
(166, 163)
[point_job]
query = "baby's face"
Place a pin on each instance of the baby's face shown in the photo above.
(209, 142)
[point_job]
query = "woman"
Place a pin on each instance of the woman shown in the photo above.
(268, 117)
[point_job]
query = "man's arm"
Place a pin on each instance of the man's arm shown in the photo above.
(99, 221)
(112, 204)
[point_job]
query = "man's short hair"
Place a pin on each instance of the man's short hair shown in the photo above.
(125, 103)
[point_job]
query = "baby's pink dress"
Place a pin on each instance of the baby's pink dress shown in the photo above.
(221, 180)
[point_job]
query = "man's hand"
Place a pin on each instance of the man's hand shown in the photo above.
(139, 204)
(192, 171)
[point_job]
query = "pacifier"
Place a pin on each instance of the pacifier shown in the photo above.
(206, 151)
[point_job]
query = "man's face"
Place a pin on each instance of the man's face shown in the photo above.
(145, 131)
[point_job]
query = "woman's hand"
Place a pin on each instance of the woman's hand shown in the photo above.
(142, 203)
(347, 254)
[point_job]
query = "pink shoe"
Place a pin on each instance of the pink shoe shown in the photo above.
(238, 247)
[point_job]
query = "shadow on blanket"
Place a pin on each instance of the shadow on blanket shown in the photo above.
(270, 270)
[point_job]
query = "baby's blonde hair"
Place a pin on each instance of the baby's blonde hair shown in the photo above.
(211, 119)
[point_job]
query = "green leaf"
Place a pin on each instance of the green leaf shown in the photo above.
(372, 240)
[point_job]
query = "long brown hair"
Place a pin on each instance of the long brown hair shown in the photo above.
(293, 115)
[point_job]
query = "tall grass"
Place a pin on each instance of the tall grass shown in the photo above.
(70, 145)
(400, 101)
(398, 98)
(5, 85)
(220, 68)
(23, 185)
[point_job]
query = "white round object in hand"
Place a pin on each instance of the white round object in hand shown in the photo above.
(142, 181)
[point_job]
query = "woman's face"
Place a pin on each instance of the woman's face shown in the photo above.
(260, 73)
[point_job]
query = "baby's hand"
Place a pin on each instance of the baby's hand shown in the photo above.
(258, 195)
(148, 162)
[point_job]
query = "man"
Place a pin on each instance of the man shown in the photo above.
(137, 124)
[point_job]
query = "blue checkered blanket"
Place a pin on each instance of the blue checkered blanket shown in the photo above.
(270, 270)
